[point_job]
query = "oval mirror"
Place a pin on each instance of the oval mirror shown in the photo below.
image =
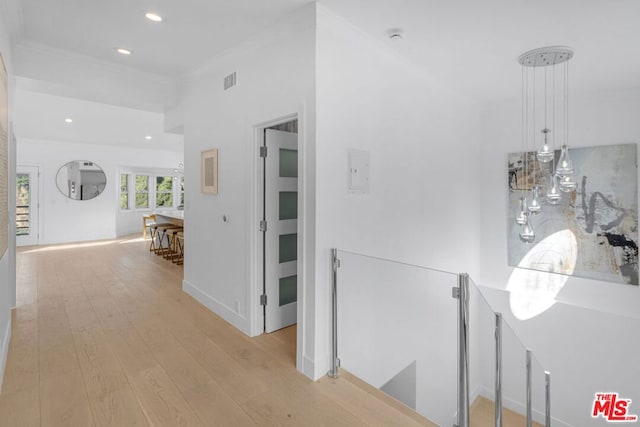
(81, 180)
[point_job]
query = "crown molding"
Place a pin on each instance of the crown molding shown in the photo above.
(76, 59)
(42, 68)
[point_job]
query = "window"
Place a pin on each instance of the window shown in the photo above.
(124, 191)
(164, 191)
(23, 205)
(142, 191)
(181, 180)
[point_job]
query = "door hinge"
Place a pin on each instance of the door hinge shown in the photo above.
(455, 292)
(263, 299)
(263, 226)
(263, 151)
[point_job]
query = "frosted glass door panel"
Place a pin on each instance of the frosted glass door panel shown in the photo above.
(288, 291)
(288, 247)
(288, 205)
(288, 163)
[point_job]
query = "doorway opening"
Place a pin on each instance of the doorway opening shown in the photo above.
(27, 205)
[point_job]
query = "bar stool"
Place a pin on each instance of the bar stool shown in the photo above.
(156, 242)
(180, 248)
(163, 234)
(147, 222)
(172, 250)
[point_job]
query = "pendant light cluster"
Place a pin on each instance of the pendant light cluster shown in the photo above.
(551, 64)
(179, 171)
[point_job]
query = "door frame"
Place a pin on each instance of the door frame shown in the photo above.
(254, 217)
(38, 200)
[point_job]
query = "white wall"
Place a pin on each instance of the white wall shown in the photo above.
(589, 339)
(65, 220)
(423, 141)
(7, 262)
(275, 78)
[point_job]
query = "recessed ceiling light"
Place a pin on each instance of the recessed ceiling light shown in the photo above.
(395, 34)
(68, 120)
(153, 17)
(122, 51)
(148, 137)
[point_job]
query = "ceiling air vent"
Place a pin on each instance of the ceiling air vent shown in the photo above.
(230, 81)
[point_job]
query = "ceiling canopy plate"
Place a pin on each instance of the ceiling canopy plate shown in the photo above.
(545, 56)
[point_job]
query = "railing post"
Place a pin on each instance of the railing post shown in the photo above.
(547, 399)
(335, 363)
(529, 419)
(498, 390)
(462, 294)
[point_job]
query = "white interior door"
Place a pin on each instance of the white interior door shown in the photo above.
(281, 235)
(27, 205)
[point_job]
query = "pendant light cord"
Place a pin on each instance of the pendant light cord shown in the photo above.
(526, 138)
(566, 108)
(545, 101)
(524, 124)
(533, 128)
(553, 120)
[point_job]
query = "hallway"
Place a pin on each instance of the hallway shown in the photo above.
(104, 336)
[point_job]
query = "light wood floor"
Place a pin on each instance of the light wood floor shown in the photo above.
(482, 414)
(104, 336)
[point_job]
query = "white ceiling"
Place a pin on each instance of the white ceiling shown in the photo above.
(192, 32)
(468, 45)
(42, 116)
(474, 45)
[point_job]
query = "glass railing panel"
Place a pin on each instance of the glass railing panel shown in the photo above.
(515, 381)
(537, 391)
(514, 367)
(587, 350)
(397, 330)
(482, 358)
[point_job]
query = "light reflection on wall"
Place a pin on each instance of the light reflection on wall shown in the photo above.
(534, 291)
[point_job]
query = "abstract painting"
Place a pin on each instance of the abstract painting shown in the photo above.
(593, 231)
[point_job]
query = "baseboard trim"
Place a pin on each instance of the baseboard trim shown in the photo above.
(4, 350)
(308, 368)
(217, 307)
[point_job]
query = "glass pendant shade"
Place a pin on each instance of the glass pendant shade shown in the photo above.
(553, 196)
(521, 216)
(527, 235)
(534, 206)
(564, 166)
(567, 184)
(545, 154)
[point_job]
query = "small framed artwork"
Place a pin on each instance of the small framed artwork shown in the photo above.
(209, 171)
